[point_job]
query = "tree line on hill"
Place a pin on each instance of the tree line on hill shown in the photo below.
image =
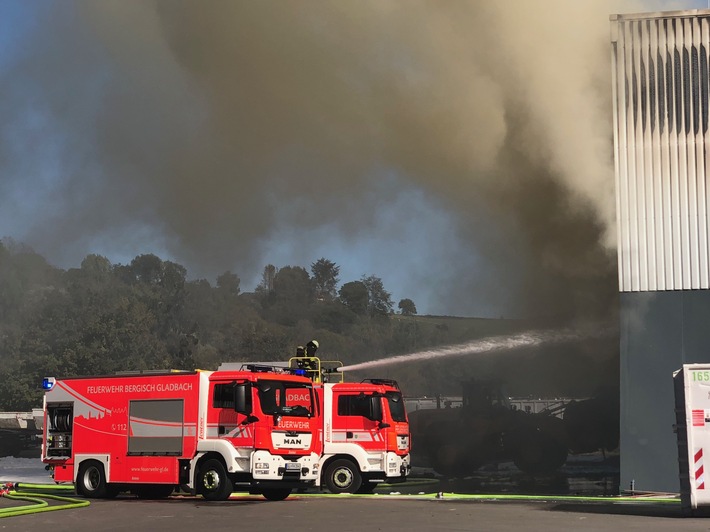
(102, 318)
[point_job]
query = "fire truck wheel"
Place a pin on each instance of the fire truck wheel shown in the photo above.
(342, 476)
(212, 481)
(91, 480)
(276, 494)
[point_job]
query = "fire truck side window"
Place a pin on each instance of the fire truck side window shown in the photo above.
(155, 427)
(355, 405)
(223, 396)
(396, 404)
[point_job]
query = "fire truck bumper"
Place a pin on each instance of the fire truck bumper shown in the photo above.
(397, 466)
(269, 467)
(396, 470)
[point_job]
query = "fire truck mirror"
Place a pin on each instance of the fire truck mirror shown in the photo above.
(242, 399)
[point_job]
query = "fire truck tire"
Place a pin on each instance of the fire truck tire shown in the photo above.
(276, 494)
(91, 481)
(212, 481)
(343, 476)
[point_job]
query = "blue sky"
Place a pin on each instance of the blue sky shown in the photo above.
(386, 139)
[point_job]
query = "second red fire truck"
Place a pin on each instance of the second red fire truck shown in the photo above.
(366, 435)
(366, 438)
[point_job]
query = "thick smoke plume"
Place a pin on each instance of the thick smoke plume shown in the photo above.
(209, 130)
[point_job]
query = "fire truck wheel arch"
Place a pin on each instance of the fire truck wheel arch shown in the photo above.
(352, 452)
(343, 476)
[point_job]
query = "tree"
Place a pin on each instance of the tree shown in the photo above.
(325, 279)
(267, 279)
(291, 296)
(228, 283)
(96, 265)
(407, 307)
(293, 283)
(354, 296)
(147, 269)
(379, 300)
(172, 277)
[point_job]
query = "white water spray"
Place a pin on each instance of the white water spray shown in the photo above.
(484, 345)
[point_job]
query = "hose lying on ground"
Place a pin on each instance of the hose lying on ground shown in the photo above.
(38, 495)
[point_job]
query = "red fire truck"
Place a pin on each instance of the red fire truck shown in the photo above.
(206, 431)
(366, 437)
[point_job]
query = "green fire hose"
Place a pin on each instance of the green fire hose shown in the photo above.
(38, 495)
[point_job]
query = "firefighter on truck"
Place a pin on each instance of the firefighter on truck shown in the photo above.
(209, 432)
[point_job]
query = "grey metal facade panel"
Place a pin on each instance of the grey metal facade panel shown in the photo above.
(661, 82)
(660, 331)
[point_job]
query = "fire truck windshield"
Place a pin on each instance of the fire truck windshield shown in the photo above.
(285, 398)
(396, 404)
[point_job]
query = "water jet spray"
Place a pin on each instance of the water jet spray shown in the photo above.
(485, 345)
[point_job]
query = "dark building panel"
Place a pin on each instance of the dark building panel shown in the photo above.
(660, 331)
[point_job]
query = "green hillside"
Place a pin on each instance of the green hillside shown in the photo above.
(102, 318)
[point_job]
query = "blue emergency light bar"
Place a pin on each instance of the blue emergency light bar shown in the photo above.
(48, 383)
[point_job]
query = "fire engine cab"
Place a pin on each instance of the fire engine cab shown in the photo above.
(208, 432)
(366, 438)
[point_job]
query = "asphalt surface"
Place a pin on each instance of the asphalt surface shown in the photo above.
(397, 507)
(346, 513)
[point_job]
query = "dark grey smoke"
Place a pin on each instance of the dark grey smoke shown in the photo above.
(207, 130)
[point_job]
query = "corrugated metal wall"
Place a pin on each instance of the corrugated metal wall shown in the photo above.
(660, 69)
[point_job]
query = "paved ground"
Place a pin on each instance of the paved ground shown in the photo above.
(582, 476)
(344, 514)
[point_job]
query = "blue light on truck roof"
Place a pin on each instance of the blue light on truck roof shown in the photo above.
(48, 383)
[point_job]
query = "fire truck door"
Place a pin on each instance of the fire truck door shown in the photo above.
(355, 421)
(231, 424)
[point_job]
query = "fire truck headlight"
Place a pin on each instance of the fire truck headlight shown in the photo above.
(48, 383)
(261, 465)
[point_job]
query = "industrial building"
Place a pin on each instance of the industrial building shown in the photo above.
(660, 111)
